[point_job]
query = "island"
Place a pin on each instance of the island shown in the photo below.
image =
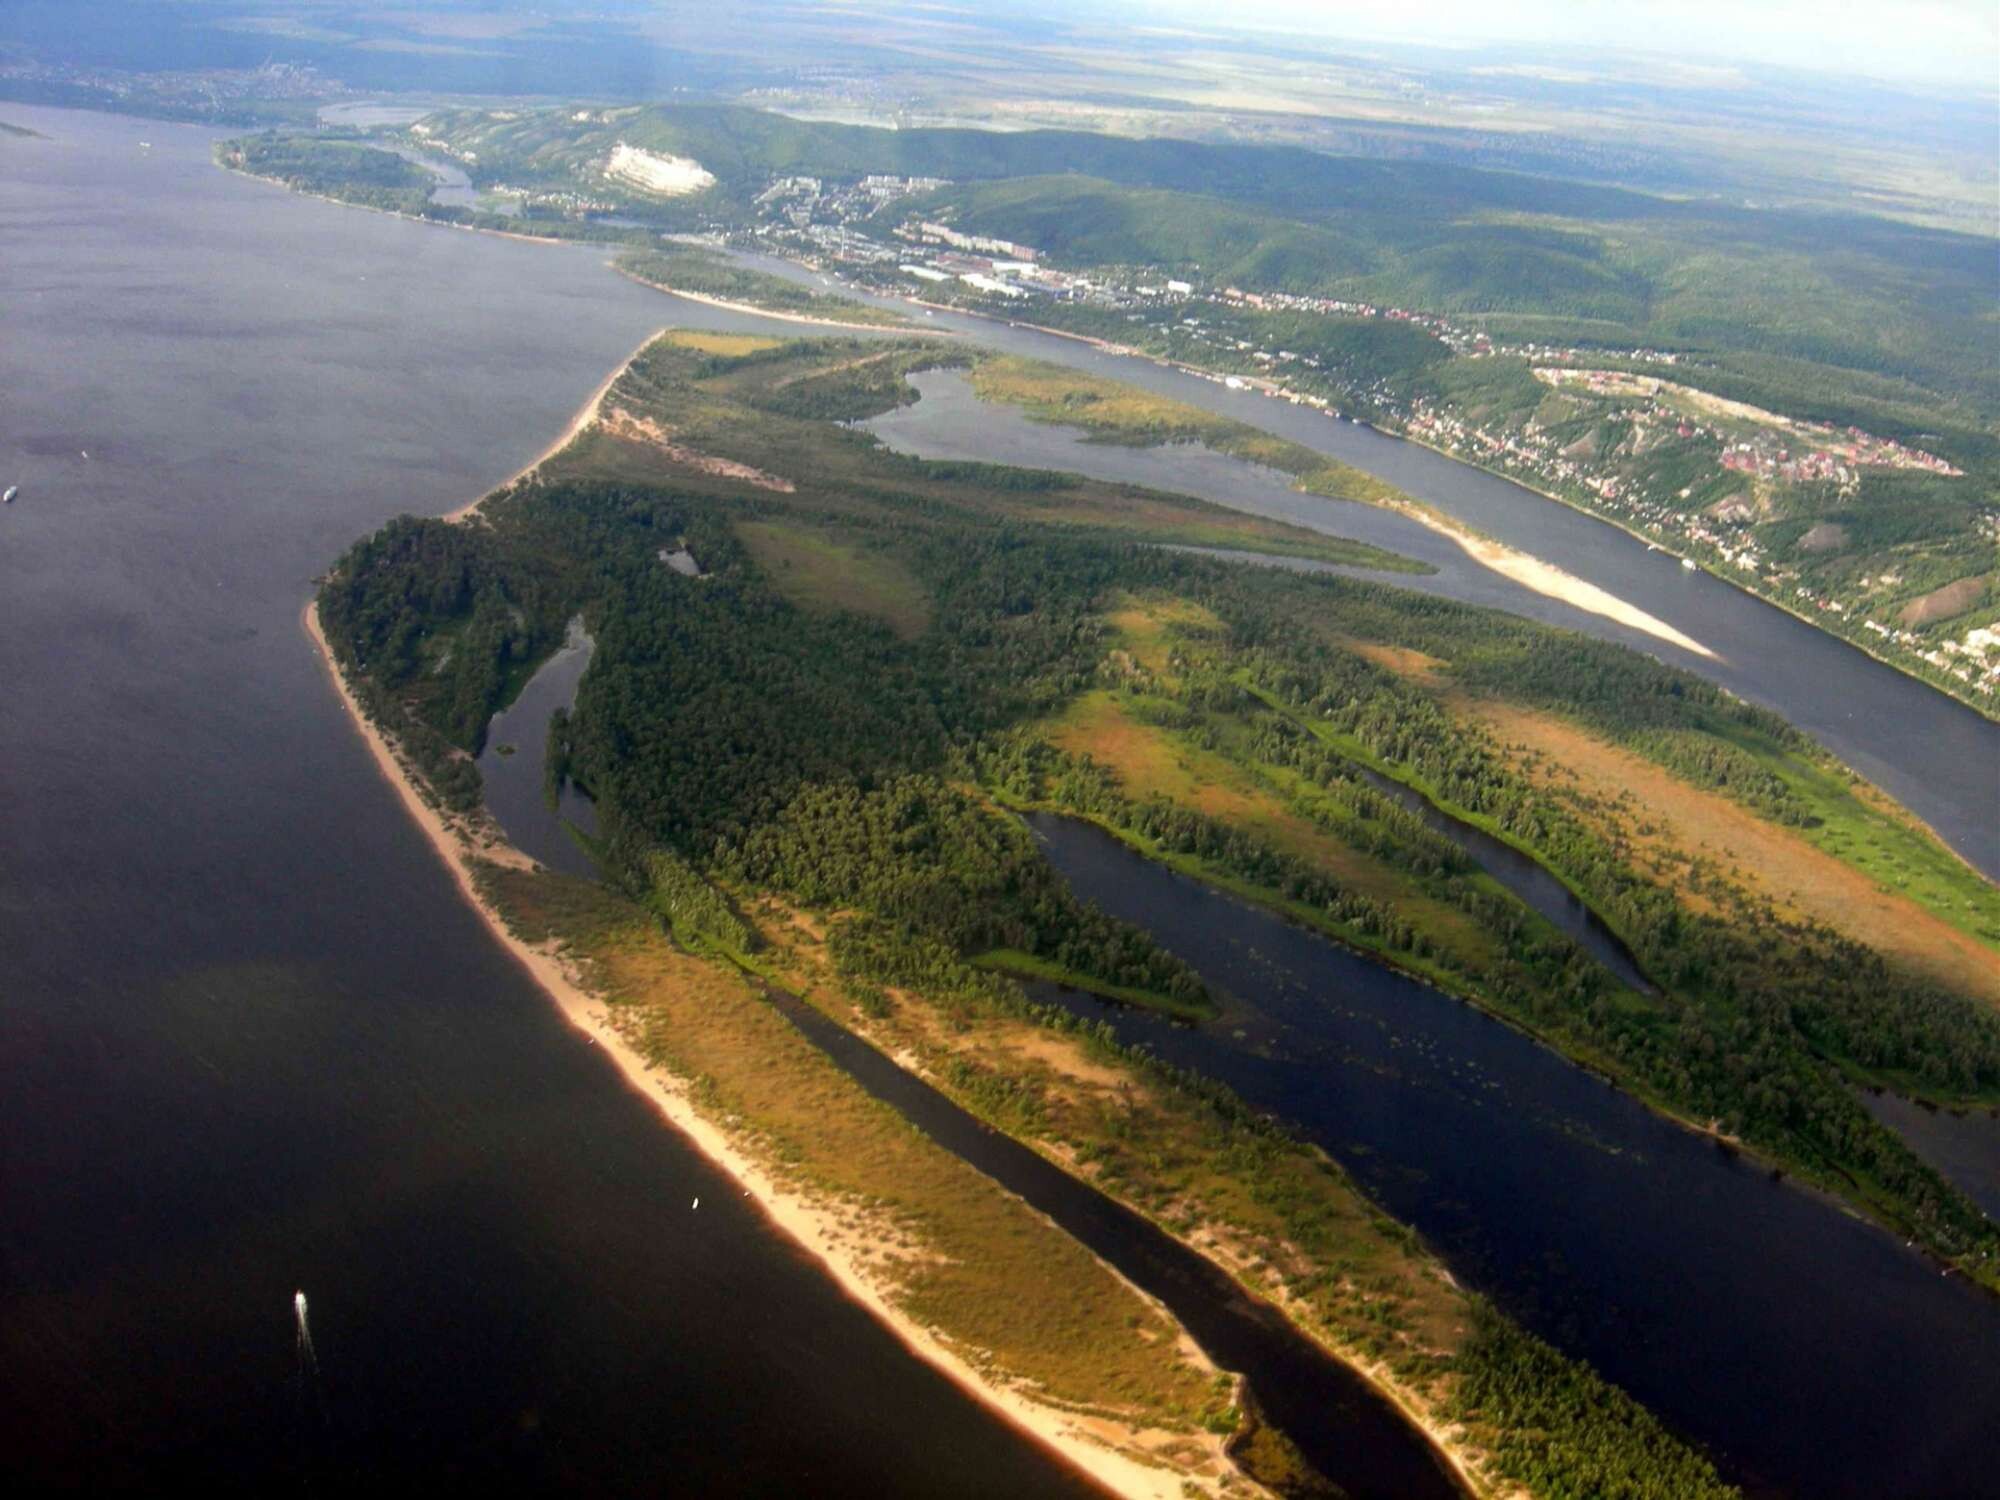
(808, 751)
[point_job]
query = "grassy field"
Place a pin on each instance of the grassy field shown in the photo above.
(1153, 762)
(815, 571)
(1945, 926)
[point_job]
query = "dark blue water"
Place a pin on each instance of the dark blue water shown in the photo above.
(1524, 876)
(1810, 1352)
(251, 1040)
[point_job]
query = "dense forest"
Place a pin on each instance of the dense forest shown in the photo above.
(879, 654)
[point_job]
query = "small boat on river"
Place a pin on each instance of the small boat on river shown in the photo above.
(12, 491)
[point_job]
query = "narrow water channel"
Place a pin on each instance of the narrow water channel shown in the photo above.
(1520, 873)
(1811, 1353)
(516, 754)
(1345, 1430)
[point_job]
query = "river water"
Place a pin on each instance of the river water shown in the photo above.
(1937, 756)
(251, 1040)
(254, 1042)
(511, 765)
(1811, 1353)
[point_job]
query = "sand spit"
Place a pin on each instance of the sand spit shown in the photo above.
(1082, 1440)
(1547, 579)
(753, 310)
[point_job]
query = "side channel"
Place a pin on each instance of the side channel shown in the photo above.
(1346, 1431)
(1810, 1352)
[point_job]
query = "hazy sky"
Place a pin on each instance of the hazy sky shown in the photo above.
(1945, 39)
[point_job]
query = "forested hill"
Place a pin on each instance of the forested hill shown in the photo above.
(745, 148)
(1606, 264)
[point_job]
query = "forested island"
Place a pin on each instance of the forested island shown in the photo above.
(804, 758)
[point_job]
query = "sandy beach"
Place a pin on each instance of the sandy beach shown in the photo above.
(808, 1224)
(755, 311)
(1547, 579)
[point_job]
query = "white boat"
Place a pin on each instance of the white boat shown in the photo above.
(1688, 563)
(12, 491)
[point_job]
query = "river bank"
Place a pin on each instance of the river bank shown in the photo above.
(1469, 536)
(1308, 472)
(586, 415)
(752, 310)
(1986, 709)
(817, 1228)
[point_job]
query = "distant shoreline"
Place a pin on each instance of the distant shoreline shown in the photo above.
(750, 309)
(1991, 713)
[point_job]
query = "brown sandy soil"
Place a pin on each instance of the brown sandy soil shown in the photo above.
(1942, 604)
(1404, 661)
(1772, 860)
(632, 428)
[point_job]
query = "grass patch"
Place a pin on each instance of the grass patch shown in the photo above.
(1019, 965)
(1111, 411)
(957, 1254)
(1938, 917)
(1150, 761)
(816, 572)
(728, 345)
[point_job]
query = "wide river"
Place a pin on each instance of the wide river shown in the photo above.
(253, 1042)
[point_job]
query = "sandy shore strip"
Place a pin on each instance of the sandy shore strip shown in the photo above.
(586, 414)
(1524, 568)
(753, 310)
(810, 1225)
(1552, 582)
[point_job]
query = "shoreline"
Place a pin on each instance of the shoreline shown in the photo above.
(1991, 714)
(1535, 574)
(791, 1214)
(586, 417)
(1464, 537)
(750, 309)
